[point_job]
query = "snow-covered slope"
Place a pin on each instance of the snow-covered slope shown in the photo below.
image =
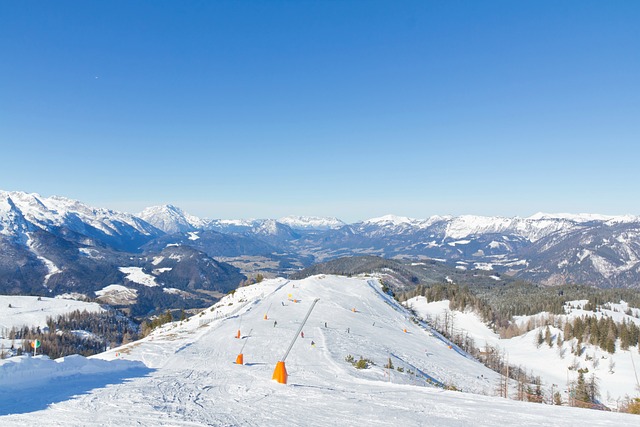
(192, 378)
(615, 372)
(18, 311)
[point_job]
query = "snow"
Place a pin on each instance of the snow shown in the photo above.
(550, 363)
(483, 266)
(459, 242)
(170, 219)
(268, 227)
(57, 211)
(90, 253)
(311, 222)
(193, 235)
(24, 372)
(117, 295)
(29, 311)
(189, 376)
(391, 219)
(50, 266)
(112, 288)
(583, 217)
(135, 274)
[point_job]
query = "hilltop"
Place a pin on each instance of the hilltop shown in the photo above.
(189, 376)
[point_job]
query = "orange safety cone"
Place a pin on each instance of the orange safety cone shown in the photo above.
(354, 310)
(238, 334)
(404, 330)
(280, 373)
(265, 317)
(240, 359)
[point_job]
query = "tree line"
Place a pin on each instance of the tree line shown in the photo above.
(497, 306)
(77, 332)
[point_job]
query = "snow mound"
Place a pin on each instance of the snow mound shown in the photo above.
(25, 371)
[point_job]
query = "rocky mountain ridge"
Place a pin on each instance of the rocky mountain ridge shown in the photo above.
(44, 239)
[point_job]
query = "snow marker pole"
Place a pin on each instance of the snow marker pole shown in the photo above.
(280, 373)
(238, 335)
(240, 357)
(247, 340)
(265, 315)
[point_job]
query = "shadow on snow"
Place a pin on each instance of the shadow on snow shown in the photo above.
(39, 397)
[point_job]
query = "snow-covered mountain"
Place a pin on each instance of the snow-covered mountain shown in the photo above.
(532, 228)
(54, 245)
(551, 249)
(22, 212)
(184, 373)
(547, 248)
(311, 222)
(170, 219)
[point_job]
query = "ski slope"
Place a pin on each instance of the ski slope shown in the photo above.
(189, 376)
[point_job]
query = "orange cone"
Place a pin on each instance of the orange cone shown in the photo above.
(265, 317)
(240, 359)
(238, 334)
(280, 373)
(404, 330)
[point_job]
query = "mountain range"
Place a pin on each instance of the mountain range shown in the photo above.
(55, 245)
(550, 249)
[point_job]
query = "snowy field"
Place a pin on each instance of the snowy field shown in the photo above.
(615, 372)
(33, 312)
(188, 376)
(29, 311)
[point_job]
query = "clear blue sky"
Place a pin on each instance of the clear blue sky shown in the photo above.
(354, 109)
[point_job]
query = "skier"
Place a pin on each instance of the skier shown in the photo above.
(275, 322)
(313, 344)
(325, 324)
(302, 334)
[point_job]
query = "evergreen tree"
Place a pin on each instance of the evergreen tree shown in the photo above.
(547, 337)
(539, 338)
(581, 391)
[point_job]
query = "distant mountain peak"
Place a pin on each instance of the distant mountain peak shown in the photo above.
(391, 219)
(170, 219)
(582, 217)
(49, 213)
(311, 222)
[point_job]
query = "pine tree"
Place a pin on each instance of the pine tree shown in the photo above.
(593, 388)
(581, 392)
(559, 340)
(540, 338)
(557, 398)
(547, 337)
